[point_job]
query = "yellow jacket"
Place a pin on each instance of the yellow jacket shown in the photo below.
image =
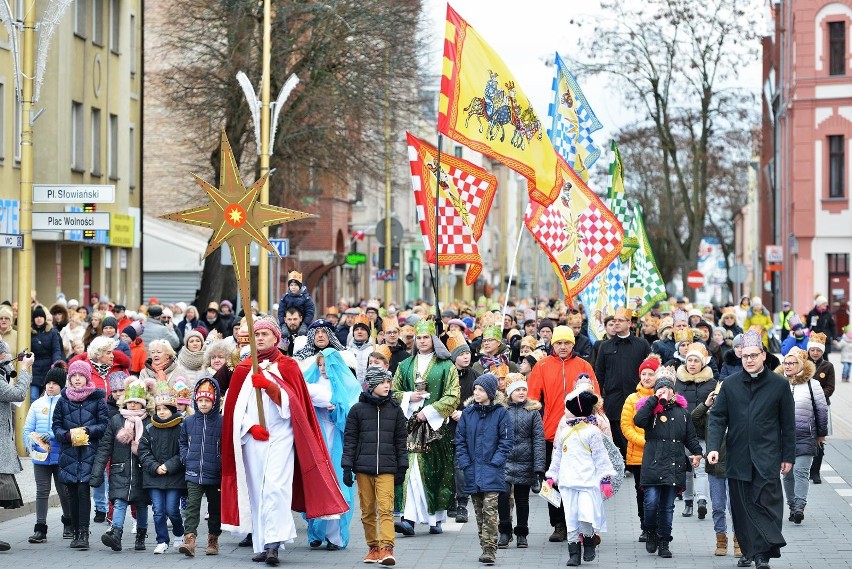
(762, 319)
(634, 435)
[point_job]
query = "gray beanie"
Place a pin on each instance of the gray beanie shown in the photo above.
(376, 376)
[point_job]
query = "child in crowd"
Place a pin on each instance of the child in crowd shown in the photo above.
(581, 467)
(528, 362)
(79, 421)
(378, 359)
(199, 452)
(461, 356)
(844, 346)
(184, 401)
(120, 447)
(374, 449)
(526, 463)
(162, 476)
(483, 444)
(297, 297)
(44, 449)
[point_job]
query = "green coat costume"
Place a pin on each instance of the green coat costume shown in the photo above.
(436, 466)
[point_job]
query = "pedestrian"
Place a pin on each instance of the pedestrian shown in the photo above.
(199, 440)
(461, 357)
(79, 421)
(374, 450)
(733, 359)
(483, 444)
(755, 396)
(162, 469)
(795, 335)
(811, 427)
(581, 467)
(44, 450)
(525, 466)
(47, 347)
(119, 448)
(821, 320)
(668, 428)
(758, 316)
(190, 359)
(824, 374)
(297, 297)
(844, 345)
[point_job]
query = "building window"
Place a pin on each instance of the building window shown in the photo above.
(132, 44)
(97, 22)
(80, 19)
(113, 147)
(96, 142)
(77, 136)
(836, 167)
(838, 263)
(114, 24)
(131, 159)
(837, 48)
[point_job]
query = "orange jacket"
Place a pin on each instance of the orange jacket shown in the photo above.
(551, 380)
(138, 355)
(635, 435)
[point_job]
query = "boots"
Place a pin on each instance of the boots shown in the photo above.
(488, 556)
(588, 548)
(212, 545)
(75, 540)
(737, 551)
(141, 534)
(4, 546)
(39, 534)
(67, 530)
(798, 513)
(721, 545)
(82, 539)
(573, 555)
(560, 534)
(651, 542)
(188, 545)
(112, 538)
(687, 509)
(702, 508)
(461, 514)
(503, 541)
(663, 549)
(522, 542)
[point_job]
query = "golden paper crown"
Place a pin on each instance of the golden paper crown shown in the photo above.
(384, 349)
(454, 340)
(685, 335)
(294, 276)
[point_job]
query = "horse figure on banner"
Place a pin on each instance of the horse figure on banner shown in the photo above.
(483, 107)
(528, 126)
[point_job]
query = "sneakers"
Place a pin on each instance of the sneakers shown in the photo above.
(404, 527)
(386, 556)
(372, 555)
(702, 508)
(177, 541)
(161, 548)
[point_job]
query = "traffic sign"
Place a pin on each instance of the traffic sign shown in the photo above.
(695, 279)
(69, 221)
(282, 246)
(11, 241)
(73, 193)
(738, 273)
(355, 258)
(387, 275)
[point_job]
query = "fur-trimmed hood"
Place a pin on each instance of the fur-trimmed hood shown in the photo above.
(706, 374)
(806, 374)
(528, 405)
(679, 400)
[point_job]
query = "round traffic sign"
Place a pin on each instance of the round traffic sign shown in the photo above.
(738, 273)
(695, 279)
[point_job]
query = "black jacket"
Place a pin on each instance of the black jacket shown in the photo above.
(732, 364)
(160, 445)
(75, 463)
(527, 457)
(125, 470)
(399, 354)
(200, 442)
(46, 346)
(667, 430)
(374, 441)
(616, 369)
(759, 415)
(583, 348)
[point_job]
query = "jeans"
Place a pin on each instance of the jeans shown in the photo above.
(797, 480)
(119, 512)
(719, 501)
(521, 492)
(43, 474)
(35, 392)
(847, 367)
(166, 503)
(659, 510)
(81, 508)
(375, 494)
(696, 484)
(100, 493)
(193, 507)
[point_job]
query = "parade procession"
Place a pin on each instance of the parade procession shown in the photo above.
(485, 284)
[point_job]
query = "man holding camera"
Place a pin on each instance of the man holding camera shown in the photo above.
(159, 326)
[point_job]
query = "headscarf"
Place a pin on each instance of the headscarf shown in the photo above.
(310, 349)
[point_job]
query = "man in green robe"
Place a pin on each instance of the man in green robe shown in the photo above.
(427, 386)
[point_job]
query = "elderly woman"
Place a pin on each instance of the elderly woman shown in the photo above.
(811, 427)
(215, 356)
(162, 364)
(8, 333)
(190, 359)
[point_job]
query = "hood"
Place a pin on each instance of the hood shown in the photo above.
(217, 397)
(679, 400)
(706, 374)
(499, 399)
(440, 349)
(807, 373)
(378, 401)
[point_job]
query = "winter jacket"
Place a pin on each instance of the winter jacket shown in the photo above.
(694, 387)
(160, 445)
(374, 440)
(200, 442)
(502, 350)
(617, 368)
(551, 379)
(40, 420)
(822, 322)
(791, 340)
(664, 462)
(399, 353)
(362, 356)
(583, 348)
(808, 425)
(527, 457)
(11, 393)
(46, 346)
(579, 459)
(138, 355)
(120, 362)
(699, 419)
(844, 345)
(185, 326)
(155, 330)
(665, 348)
(75, 463)
(301, 301)
(762, 319)
(483, 444)
(756, 417)
(125, 469)
(824, 374)
(732, 364)
(635, 435)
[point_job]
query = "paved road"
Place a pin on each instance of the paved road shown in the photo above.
(824, 540)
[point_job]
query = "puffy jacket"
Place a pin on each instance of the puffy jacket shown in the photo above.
(483, 444)
(160, 445)
(527, 457)
(138, 355)
(762, 319)
(75, 463)
(808, 426)
(374, 440)
(665, 348)
(694, 387)
(125, 469)
(731, 365)
(791, 341)
(301, 301)
(824, 374)
(663, 462)
(635, 435)
(200, 441)
(46, 346)
(551, 379)
(40, 420)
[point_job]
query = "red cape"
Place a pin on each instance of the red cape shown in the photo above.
(315, 488)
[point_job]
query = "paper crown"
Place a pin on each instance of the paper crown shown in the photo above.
(361, 320)
(406, 330)
(798, 353)
(424, 327)
(164, 394)
(500, 371)
(729, 311)
(455, 340)
(679, 316)
(817, 340)
(205, 390)
(752, 340)
(622, 312)
(698, 350)
(390, 324)
(182, 391)
(383, 349)
(294, 276)
(492, 333)
(529, 341)
(685, 335)
(136, 390)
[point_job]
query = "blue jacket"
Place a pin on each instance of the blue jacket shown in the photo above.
(40, 421)
(200, 442)
(791, 341)
(301, 301)
(75, 463)
(483, 444)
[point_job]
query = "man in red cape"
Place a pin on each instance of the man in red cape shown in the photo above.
(269, 472)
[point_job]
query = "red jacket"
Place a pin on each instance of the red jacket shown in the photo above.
(551, 380)
(315, 488)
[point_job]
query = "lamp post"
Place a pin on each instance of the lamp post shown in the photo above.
(388, 245)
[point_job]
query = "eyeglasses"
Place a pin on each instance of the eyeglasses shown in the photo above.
(752, 356)
(790, 363)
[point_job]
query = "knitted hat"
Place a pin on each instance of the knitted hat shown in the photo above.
(562, 334)
(164, 394)
(294, 276)
(194, 333)
(652, 362)
(376, 376)
(584, 381)
(81, 367)
(456, 344)
(372, 305)
(665, 377)
(795, 322)
(182, 391)
(6, 310)
(516, 381)
(137, 390)
(110, 322)
(57, 375)
(817, 340)
(738, 340)
(488, 382)
(581, 402)
(205, 390)
(268, 324)
(695, 312)
(698, 350)
(493, 332)
(458, 322)
(39, 311)
(820, 301)
(130, 331)
(116, 380)
(753, 340)
(424, 327)
(545, 324)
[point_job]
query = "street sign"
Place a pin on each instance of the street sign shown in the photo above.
(387, 275)
(695, 279)
(356, 258)
(282, 246)
(774, 254)
(69, 221)
(397, 232)
(738, 273)
(11, 241)
(73, 193)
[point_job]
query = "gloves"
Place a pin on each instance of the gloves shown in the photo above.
(67, 436)
(606, 489)
(260, 381)
(259, 433)
(536, 487)
(550, 482)
(398, 478)
(347, 477)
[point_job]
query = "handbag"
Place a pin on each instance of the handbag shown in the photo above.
(421, 435)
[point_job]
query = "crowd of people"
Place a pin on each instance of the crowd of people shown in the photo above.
(426, 414)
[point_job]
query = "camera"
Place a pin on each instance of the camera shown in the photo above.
(24, 353)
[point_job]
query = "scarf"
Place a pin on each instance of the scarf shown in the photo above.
(132, 430)
(591, 419)
(172, 421)
(310, 348)
(487, 362)
(267, 354)
(101, 369)
(79, 394)
(191, 360)
(160, 370)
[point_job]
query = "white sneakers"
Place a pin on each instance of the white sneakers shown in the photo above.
(177, 542)
(162, 548)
